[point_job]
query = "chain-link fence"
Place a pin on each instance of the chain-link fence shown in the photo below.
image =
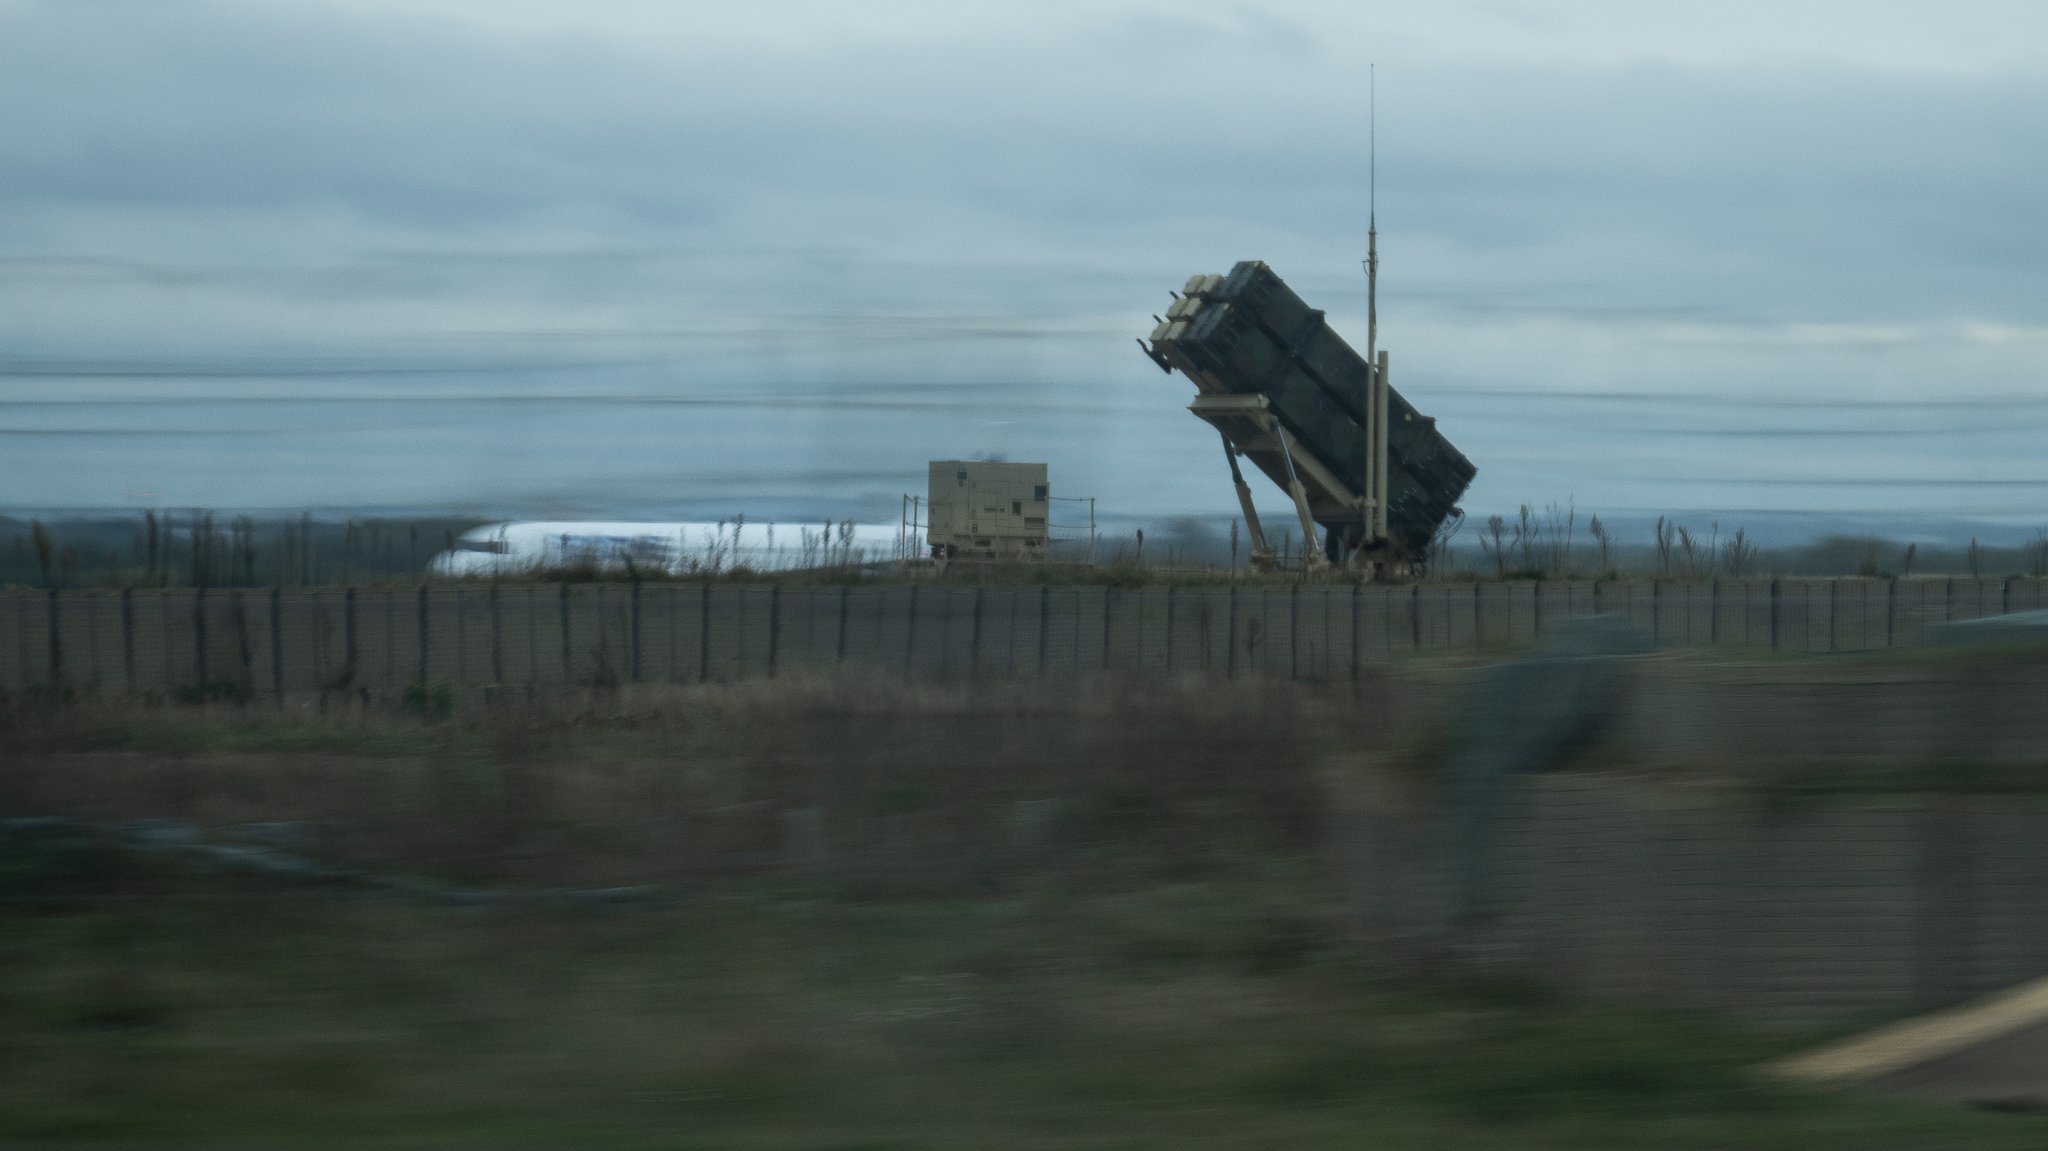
(254, 641)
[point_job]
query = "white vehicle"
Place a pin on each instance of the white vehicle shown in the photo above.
(670, 549)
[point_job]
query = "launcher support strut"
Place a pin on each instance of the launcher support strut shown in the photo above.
(1261, 555)
(1314, 552)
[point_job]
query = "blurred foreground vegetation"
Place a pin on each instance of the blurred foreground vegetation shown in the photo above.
(863, 915)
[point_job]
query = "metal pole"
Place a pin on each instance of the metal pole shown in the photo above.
(1380, 450)
(774, 627)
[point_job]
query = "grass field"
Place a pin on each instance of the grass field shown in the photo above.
(1090, 918)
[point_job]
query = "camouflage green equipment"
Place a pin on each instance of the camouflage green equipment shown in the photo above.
(1290, 395)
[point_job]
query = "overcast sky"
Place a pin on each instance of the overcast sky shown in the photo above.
(662, 258)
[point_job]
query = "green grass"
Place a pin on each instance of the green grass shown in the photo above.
(1206, 1014)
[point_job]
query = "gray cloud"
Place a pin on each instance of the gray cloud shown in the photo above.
(804, 211)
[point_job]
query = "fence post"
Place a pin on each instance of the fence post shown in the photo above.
(1891, 610)
(704, 633)
(277, 644)
(1774, 613)
(1044, 624)
(1294, 630)
(1478, 620)
(1714, 612)
(1230, 637)
(974, 636)
(461, 645)
(1834, 599)
(199, 635)
(1076, 664)
(22, 644)
(1415, 613)
(562, 622)
(348, 631)
(56, 642)
(1169, 629)
(532, 614)
(633, 652)
(422, 601)
(839, 654)
(910, 632)
(128, 638)
(1010, 632)
(1357, 598)
(1108, 624)
(245, 677)
(2005, 596)
(497, 647)
(774, 627)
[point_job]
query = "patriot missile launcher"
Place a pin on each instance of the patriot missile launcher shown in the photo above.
(1287, 393)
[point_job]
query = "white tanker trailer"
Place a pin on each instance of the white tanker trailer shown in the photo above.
(671, 549)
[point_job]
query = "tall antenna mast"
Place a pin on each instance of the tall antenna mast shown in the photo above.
(1372, 228)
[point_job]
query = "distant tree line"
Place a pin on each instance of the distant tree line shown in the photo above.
(198, 548)
(1547, 545)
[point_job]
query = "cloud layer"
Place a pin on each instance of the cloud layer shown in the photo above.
(648, 256)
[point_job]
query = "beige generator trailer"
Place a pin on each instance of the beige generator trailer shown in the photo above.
(990, 511)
